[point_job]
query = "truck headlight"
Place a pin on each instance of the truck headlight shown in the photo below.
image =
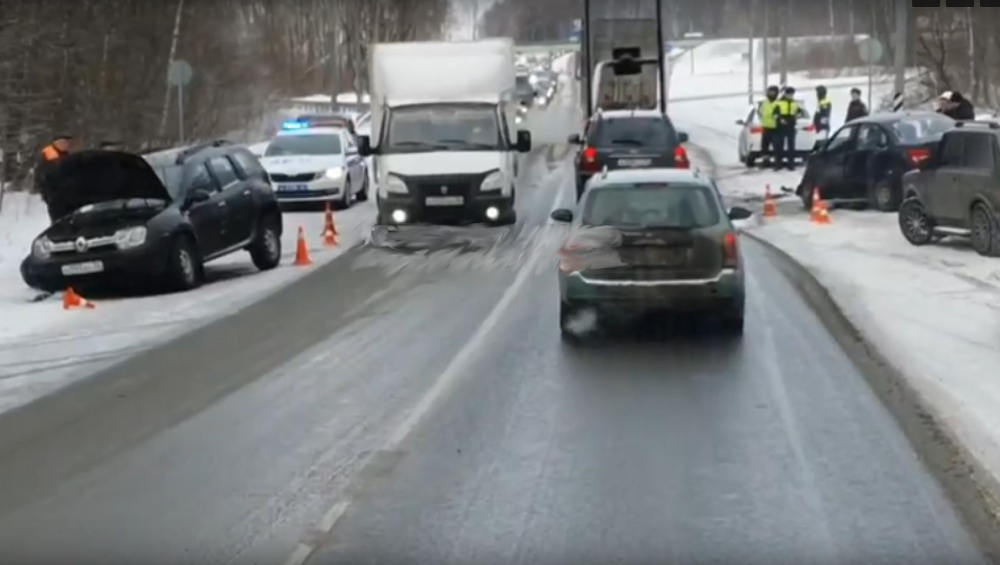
(42, 248)
(335, 173)
(395, 185)
(492, 183)
(128, 238)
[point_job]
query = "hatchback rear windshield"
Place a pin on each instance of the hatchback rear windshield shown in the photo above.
(634, 132)
(922, 128)
(680, 206)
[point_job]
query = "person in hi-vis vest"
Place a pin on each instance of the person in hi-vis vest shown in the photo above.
(769, 125)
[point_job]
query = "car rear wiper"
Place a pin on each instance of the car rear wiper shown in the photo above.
(626, 142)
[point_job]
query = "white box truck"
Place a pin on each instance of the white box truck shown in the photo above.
(441, 140)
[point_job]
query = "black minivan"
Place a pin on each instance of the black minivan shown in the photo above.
(123, 219)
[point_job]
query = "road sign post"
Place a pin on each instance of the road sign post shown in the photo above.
(179, 74)
(870, 50)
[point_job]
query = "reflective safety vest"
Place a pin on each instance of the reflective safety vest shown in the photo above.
(825, 103)
(768, 120)
(788, 112)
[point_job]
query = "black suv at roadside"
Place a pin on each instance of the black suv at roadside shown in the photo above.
(124, 219)
(957, 189)
(628, 139)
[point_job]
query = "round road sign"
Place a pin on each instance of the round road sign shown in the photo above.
(179, 73)
(870, 50)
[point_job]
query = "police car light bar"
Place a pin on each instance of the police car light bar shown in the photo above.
(294, 124)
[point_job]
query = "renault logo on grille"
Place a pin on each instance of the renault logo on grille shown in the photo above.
(444, 189)
(81, 244)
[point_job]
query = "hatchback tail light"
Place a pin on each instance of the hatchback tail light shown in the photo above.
(917, 155)
(810, 127)
(756, 129)
(729, 250)
(681, 158)
(589, 160)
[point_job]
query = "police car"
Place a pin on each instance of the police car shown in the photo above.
(310, 163)
(750, 142)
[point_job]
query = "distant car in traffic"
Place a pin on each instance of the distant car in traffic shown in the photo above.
(956, 190)
(864, 161)
(751, 147)
(127, 219)
(316, 164)
(628, 139)
(650, 239)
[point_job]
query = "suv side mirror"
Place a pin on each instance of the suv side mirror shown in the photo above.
(365, 146)
(683, 137)
(523, 141)
(562, 215)
(739, 213)
(575, 139)
(741, 122)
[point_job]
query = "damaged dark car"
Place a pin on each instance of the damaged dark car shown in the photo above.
(125, 220)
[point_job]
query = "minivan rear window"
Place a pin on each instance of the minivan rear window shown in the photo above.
(655, 205)
(634, 132)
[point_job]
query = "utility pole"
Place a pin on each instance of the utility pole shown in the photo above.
(475, 20)
(783, 22)
(763, 42)
(850, 19)
(871, 60)
(661, 57)
(833, 21)
(586, 58)
(750, 25)
(899, 50)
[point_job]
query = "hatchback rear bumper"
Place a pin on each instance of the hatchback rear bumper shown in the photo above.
(713, 293)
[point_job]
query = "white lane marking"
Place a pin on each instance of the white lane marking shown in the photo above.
(445, 381)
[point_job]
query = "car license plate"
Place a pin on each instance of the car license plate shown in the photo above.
(444, 201)
(293, 187)
(84, 268)
(634, 162)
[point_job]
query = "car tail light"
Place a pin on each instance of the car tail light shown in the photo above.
(589, 162)
(810, 127)
(918, 154)
(681, 157)
(729, 250)
(756, 129)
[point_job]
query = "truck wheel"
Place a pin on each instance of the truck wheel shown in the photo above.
(265, 251)
(184, 267)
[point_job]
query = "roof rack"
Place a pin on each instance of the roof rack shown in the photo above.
(992, 124)
(198, 148)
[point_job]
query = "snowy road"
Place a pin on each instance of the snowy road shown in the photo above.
(417, 405)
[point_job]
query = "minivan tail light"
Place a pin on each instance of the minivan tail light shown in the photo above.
(589, 162)
(918, 154)
(681, 157)
(729, 250)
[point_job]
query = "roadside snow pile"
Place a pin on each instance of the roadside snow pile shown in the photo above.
(933, 311)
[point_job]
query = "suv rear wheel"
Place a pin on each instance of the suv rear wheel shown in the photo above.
(984, 231)
(917, 227)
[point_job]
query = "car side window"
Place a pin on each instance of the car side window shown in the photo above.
(872, 137)
(952, 150)
(979, 151)
(841, 140)
(223, 171)
(200, 179)
(247, 165)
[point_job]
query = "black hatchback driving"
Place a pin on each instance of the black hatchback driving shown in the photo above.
(628, 139)
(121, 221)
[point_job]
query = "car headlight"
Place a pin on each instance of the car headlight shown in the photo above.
(42, 248)
(492, 183)
(395, 185)
(128, 238)
(335, 173)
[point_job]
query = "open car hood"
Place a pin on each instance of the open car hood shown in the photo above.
(90, 177)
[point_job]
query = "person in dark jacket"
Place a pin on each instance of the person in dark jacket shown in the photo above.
(51, 155)
(856, 109)
(824, 107)
(787, 113)
(956, 106)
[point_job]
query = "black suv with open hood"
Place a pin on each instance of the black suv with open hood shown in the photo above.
(124, 219)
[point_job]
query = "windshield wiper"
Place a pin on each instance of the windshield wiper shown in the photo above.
(475, 144)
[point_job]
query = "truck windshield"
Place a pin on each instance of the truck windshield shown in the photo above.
(443, 128)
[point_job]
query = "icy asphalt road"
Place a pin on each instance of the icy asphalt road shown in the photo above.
(405, 406)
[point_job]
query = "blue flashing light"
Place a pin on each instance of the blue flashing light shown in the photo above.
(294, 124)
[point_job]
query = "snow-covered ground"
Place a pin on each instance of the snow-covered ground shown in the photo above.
(932, 311)
(43, 347)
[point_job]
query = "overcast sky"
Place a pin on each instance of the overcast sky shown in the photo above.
(461, 24)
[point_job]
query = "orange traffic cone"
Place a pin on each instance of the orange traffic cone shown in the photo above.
(302, 257)
(329, 228)
(820, 214)
(770, 209)
(73, 300)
